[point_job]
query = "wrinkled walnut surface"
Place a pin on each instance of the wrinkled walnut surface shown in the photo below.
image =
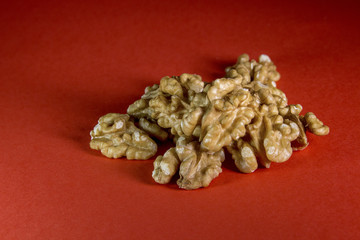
(243, 113)
(116, 137)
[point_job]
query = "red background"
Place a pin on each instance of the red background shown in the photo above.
(63, 64)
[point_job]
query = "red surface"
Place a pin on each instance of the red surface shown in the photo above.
(64, 64)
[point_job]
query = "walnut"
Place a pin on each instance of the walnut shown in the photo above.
(314, 125)
(169, 108)
(219, 129)
(292, 112)
(220, 88)
(243, 113)
(171, 86)
(241, 70)
(166, 166)
(153, 129)
(197, 168)
(139, 109)
(244, 156)
(116, 136)
(277, 141)
(265, 71)
(190, 120)
(192, 82)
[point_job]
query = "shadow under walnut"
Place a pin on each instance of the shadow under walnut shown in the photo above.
(243, 113)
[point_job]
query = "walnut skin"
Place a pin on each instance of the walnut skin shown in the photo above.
(243, 113)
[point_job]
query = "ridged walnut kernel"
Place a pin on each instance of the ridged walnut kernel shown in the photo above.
(243, 113)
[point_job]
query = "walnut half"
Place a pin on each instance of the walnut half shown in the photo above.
(115, 136)
(197, 168)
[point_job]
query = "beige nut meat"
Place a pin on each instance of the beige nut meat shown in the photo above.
(153, 129)
(221, 87)
(265, 71)
(196, 167)
(244, 156)
(171, 86)
(192, 82)
(292, 112)
(243, 112)
(314, 125)
(190, 120)
(241, 70)
(166, 166)
(255, 132)
(219, 128)
(277, 141)
(116, 136)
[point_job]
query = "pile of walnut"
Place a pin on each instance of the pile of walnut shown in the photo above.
(243, 113)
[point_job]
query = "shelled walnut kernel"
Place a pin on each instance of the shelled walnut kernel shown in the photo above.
(243, 113)
(116, 136)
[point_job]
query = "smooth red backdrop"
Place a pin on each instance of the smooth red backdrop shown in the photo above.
(63, 64)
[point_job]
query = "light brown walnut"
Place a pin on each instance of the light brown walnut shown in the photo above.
(192, 82)
(277, 141)
(165, 167)
(244, 113)
(244, 156)
(115, 136)
(198, 168)
(219, 129)
(314, 125)
(153, 129)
